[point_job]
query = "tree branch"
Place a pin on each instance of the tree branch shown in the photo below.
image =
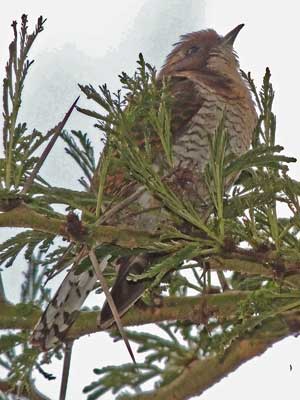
(25, 217)
(199, 374)
(192, 308)
(243, 261)
(266, 265)
(196, 309)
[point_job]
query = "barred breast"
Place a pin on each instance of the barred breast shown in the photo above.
(240, 120)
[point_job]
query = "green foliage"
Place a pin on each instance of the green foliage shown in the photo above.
(82, 153)
(18, 145)
(30, 240)
(156, 350)
(22, 149)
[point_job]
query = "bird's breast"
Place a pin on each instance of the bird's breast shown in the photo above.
(191, 154)
(192, 143)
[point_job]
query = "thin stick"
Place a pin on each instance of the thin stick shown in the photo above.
(59, 127)
(2, 292)
(114, 210)
(110, 300)
(66, 370)
(103, 165)
(223, 281)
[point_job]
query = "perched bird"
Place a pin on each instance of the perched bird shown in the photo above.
(205, 84)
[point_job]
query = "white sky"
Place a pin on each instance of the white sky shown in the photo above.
(270, 38)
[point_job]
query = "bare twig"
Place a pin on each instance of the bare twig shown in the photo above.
(223, 281)
(66, 369)
(2, 292)
(57, 130)
(98, 270)
(121, 205)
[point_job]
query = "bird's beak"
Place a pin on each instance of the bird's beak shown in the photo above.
(231, 36)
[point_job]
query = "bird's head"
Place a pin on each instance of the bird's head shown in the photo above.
(206, 52)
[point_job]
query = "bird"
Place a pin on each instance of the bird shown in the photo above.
(205, 84)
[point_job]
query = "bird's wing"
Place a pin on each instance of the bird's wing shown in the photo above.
(186, 103)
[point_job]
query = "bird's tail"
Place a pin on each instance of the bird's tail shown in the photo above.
(63, 309)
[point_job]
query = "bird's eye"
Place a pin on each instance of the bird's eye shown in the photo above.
(192, 50)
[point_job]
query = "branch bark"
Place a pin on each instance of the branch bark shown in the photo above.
(196, 309)
(25, 217)
(264, 264)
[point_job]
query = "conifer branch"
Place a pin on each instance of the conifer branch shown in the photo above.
(16, 71)
(25, 217)
(195, 309)
(201, 374)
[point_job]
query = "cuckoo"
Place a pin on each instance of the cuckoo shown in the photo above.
(205, 84)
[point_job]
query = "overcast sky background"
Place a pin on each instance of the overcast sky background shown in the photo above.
(91, 42)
